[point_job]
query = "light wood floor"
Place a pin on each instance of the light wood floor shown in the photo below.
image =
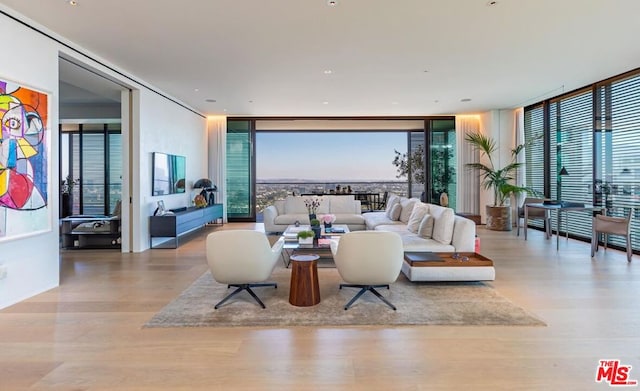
(87, 334)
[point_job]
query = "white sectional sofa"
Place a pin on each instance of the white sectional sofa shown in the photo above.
(429, 227)
(286, 212)
(422, 227)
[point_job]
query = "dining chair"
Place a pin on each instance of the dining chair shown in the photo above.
(534, 214)
(610, 225)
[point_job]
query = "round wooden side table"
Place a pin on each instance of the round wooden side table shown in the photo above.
(304, 290)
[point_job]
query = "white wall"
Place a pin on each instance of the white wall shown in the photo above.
(157, 124)
(32, 262)
(499, 124)
(169, 128)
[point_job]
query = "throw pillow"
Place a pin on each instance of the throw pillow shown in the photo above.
(295, 205)
(343, 204)
(419, 210)
(407, 208)
(425, 230)
(443, 224)
(391, 201)
(395, 212)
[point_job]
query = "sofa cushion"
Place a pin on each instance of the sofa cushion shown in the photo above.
(374, 219)
(349, 218)
(295, 205)
(444, 219)
(325, 206)
(425, 229)
(391, 201)
(290, 219)
(279, 205)
(419, 210)
(343, 204)
(412, 242)
(407, 207)
(399, 228)
(395, 212)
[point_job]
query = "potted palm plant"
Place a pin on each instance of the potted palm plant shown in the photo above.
(498, 180)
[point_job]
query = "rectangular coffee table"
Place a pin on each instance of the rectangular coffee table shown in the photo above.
(322, 248)
(437, 266)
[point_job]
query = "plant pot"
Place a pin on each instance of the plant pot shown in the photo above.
(308, 240)
(499, 218)
(67, 204)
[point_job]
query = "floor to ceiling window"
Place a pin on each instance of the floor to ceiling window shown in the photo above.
(441, 134)
(240, 170)
(590, 151)
(90, 168)
(268, 159)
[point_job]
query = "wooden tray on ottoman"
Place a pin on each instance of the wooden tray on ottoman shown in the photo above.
(436, 266)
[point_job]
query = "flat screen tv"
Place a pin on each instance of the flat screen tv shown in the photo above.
(169, 172)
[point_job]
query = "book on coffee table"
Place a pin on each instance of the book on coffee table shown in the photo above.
(422, 256)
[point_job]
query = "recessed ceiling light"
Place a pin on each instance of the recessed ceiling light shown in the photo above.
(327, 71)
(332, 3)
(426, 71)
(394, 103)
(196, 89)
(491, 3)
(72, 2)
(436, 101)
(325, 103)
(250, 101)
(210, 100)
(465, 100)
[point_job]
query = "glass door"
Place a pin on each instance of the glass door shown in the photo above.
(240, 171)
(441, 158)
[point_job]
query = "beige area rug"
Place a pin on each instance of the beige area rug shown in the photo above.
(464, 304)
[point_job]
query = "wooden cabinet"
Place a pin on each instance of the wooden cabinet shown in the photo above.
(165, 230)
(90, 232)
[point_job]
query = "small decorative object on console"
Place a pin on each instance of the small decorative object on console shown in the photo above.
(200, 201)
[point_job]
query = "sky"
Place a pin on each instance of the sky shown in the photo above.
(352, 156)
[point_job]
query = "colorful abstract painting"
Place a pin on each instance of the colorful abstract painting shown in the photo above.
(23, 161)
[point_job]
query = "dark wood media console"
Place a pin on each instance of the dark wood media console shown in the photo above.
(167, 229)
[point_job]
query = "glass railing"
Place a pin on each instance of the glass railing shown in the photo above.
(269, 191)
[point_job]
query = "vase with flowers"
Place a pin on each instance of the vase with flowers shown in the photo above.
(327, 220)
(312, 205)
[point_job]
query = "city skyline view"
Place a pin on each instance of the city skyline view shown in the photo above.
(329, 157)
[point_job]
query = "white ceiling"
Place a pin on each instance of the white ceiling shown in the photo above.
(403, 57)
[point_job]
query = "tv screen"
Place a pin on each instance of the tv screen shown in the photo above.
(169, 172)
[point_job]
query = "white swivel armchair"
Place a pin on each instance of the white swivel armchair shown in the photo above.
(368, 260)
(609, 225)
(242, 259)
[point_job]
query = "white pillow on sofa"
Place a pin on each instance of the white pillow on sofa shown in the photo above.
(407, 207)
(425, 230)
(343, 204)
(394, 214)
(295, 205)
(419, 210)
(393, 199)
(444, 219)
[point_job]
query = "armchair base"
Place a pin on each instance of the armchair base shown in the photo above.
(247, 287)
(364, 288)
